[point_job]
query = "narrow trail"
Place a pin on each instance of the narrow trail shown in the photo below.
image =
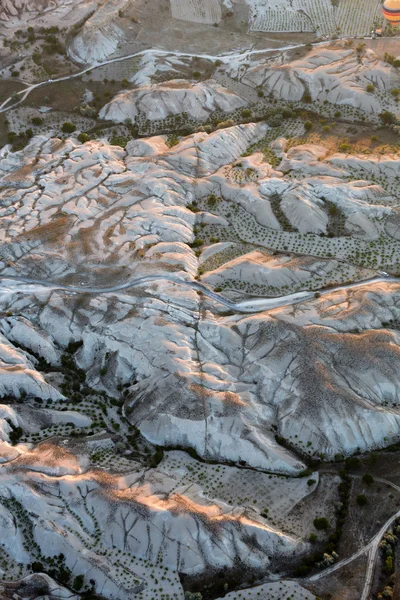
(35, 286)
(23, 94)
(225, 58)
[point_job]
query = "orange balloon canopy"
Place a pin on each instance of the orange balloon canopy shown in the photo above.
(391, 11)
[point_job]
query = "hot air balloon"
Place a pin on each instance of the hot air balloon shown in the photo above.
(391, 11)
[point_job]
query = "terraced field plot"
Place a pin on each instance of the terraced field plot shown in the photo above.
(356, 18)
(197, 11)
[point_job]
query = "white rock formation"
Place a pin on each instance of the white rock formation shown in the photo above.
(338, 75)
(185, 531)
(100, 35)
(172, 98)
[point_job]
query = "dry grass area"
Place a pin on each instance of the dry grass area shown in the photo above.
(364, 522)
(67, 95)
(338, 136)
(383, 464)
(345, 584)
(55, 66)
(8, 87)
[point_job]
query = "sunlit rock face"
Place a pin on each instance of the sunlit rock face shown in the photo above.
(100, 34)
(336, 75)
(185, 322)
(159, 101)
(220, 385)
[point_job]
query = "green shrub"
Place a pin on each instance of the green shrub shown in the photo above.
(352, 463)
(68, 127)
(321, 523)
(197, 243)
(276, 120)
(83, 137)
(78, 582)
(367, 479)
(362, 500)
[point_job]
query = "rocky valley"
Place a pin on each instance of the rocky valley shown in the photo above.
(199, 300)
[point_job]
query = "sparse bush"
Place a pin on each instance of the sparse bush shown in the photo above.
(367, 479)
(119, 140)
(172, 140)
(275, 120)
(197, 243)
(321, 523)
(352, 463)
(83, 137)
(361, 500)
(68, 127)
(388, 118)
(78, 582)
(212, 200)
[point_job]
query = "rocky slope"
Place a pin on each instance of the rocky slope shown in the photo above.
(338, 75)
(15, 14)
(205, 375)
(159, 101)
(100, 34)
(188, 325)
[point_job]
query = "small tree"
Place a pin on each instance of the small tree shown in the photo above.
(370, 88)
(352, 463)
(367, 479)
(83, 137)
(78, 583)
(68, 127)
(308, 125)
(361, 500)
(389, 567)
(321, 523)
(387, 117)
